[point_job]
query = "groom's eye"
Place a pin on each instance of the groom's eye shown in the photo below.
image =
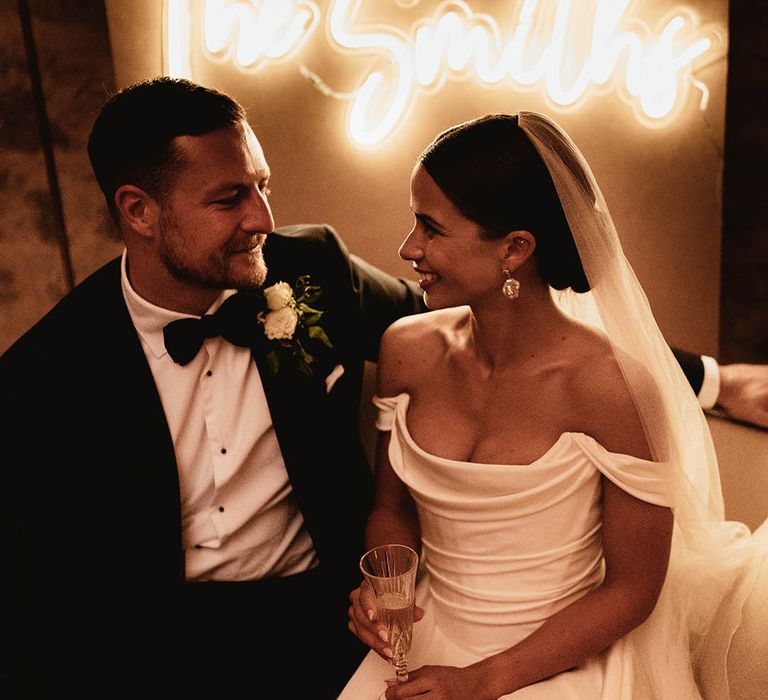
(228, 198)
(232, 197)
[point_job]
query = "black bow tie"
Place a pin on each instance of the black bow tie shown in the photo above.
(235, 321)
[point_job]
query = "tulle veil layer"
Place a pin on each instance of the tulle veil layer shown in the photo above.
(682, 649)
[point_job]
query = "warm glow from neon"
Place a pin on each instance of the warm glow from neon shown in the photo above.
(275, 30)
(178, 28)
(456, 42)
(251, 33)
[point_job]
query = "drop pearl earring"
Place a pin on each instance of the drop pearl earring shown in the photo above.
(511, 286)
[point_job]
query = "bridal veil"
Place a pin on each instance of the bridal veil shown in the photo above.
(713, 564)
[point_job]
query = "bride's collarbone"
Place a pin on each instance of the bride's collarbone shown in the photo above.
(514, 418)
(488, 397)
(511, 434)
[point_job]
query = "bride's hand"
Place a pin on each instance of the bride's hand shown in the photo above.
(440, 683)
(363, 621)
(365, 624)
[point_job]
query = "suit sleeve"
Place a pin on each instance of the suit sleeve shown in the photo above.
(383, 299)
(378, 298)
(693, 367)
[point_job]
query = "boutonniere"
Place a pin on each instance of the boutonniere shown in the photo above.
(292, 323)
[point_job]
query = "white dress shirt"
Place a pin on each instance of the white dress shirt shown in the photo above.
(710, 385)
(240, 519)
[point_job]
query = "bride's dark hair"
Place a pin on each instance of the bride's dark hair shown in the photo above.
(494, 176)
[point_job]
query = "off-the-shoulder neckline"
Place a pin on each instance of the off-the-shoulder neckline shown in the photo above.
(574, 435)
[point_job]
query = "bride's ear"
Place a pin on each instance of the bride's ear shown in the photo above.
(518, 247)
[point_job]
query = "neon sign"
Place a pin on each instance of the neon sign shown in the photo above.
(274, 31)
(549, 45)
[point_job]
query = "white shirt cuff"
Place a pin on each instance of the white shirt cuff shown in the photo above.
(710, 387)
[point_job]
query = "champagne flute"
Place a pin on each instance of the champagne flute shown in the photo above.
(391, 572)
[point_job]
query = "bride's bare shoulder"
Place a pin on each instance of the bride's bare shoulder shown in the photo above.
(412, 344)
(427, 329)
(607, 405)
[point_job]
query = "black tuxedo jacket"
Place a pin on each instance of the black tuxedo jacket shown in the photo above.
(91, 486)
(692, 366)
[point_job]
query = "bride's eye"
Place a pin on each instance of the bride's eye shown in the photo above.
(429, 230)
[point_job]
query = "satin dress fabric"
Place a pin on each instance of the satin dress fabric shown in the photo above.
(507, 546)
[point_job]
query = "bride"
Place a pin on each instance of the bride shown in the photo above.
(541, 449)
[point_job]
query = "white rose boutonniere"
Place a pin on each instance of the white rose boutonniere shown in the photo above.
(292, 323)
(280, 324)
(278, 296)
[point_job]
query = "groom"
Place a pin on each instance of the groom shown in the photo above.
(185, 499)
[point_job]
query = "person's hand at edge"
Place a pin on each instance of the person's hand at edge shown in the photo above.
(744, 392)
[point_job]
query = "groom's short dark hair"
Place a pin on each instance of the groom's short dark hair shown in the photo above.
(131, 139)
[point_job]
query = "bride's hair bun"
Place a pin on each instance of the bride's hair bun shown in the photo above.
(494, 176)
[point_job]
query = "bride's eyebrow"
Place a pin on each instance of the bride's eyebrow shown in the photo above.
(429, 221)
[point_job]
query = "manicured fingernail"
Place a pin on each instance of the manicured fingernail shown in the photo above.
(384, 636)
(370, 615)
(388, 652)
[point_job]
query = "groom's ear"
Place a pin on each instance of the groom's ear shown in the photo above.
(518, 246)
(138, 210)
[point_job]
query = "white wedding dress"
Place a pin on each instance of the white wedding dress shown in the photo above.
(507, 546)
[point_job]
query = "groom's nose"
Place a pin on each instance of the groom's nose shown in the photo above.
(257, 215)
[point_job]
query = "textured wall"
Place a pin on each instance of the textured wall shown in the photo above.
(677, 256)
(76, 68)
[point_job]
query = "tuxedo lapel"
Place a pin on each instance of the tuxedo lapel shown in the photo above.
(293, 399)
(305, 419)
(135, 433)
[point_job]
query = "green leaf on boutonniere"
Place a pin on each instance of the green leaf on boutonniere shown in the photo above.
(306, 292)
(310, 295)
(305, 359)
(309, 316)
(318, 333)
(289, 322)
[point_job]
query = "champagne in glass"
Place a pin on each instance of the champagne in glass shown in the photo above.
(397, 614)
(391, 572)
